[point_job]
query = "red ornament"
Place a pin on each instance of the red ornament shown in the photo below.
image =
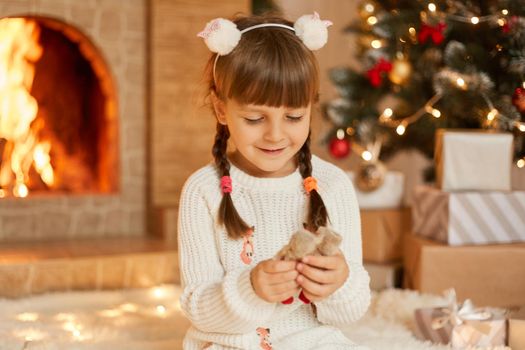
(434, 32)
(374, 73)
(518, 99)
(339, 148)
(510, 24)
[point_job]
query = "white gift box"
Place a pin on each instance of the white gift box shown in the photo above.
(388, 195)
(473, 160)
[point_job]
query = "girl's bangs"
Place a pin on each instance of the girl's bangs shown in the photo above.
(282, 82)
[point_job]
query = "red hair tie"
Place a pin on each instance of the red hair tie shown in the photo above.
(226, 184)
(310, 183)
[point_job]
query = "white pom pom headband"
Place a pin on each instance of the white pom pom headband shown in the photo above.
(222, 35)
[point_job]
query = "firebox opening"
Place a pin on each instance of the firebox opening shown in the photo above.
(58, 111)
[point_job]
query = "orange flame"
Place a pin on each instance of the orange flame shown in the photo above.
(19, 50)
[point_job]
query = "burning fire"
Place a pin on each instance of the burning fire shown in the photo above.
(20, 148)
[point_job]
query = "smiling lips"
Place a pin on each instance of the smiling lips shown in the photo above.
(275, 151)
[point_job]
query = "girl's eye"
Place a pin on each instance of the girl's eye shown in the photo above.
(294, 118)
(253, 120)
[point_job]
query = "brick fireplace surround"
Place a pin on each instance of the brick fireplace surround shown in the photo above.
(96, 241)
(124, 239)
(118, 29)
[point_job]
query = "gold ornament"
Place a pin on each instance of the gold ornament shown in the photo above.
(370, 176)
(401, 71)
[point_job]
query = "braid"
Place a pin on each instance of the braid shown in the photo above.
(219, 149)
(228, 215)
(317, 213)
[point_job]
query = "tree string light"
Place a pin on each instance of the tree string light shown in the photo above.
(401, 124)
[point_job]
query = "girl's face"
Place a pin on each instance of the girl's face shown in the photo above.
(266, 138)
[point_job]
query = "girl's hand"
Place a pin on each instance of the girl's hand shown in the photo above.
(321, 276)
(275, 280)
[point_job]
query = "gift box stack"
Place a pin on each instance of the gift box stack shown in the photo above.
(468, 231)
(384, 220)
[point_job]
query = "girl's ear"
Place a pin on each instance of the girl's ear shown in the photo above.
(219, 108)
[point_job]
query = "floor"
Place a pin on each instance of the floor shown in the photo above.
(151, 319)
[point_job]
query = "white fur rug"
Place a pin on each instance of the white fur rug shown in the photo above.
(151, 320)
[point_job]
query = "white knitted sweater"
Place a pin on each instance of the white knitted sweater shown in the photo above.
(218, 297)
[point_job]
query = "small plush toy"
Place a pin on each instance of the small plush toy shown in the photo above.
(302, 243)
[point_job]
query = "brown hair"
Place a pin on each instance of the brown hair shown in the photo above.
(270, 66)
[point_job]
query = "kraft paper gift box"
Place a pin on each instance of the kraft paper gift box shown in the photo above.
(382, 234)
(384, 276)
(516, 330)
(489, 275)
(460, 218)
(478, 160)
(462, 325)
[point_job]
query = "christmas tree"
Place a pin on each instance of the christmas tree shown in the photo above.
(429, 65)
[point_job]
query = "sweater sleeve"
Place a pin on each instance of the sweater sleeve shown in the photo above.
(214, 300)
(350, 302)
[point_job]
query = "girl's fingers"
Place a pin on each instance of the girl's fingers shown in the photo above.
(283, 296)
(318, 275)
(277, 266)
(287, 287)
(313, 287)
(311, 297)
(277, 278)
(324, 262)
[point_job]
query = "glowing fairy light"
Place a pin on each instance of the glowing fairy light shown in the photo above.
(161, 310)
(110, 313)
(401, 129)
(521, 127)
(523, 84)
(388, 113)
(460, 82)
(505, 12)
(366, 155)
(501, 22)
(432, 7)
(372, 20)
(129, 307)
(376, 44)
(159, 292)
(340, 134)
(474, 20)
(369, 8)
(520, 163)
(27, 317)
(412, 31)
(492, 114)
(436, 113)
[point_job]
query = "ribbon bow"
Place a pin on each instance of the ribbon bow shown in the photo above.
(211, 27)
(316, 17)
(465, 313)
(436, 33)
(374, 74)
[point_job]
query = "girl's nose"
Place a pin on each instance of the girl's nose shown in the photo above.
(274, 133)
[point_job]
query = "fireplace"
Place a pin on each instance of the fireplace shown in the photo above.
(72, 119)
(58, 131)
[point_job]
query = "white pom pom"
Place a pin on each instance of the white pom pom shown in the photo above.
(221, 36)
(312, 31)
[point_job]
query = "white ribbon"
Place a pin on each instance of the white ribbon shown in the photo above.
(465, 313)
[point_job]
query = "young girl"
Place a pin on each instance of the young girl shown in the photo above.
(236, 213)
